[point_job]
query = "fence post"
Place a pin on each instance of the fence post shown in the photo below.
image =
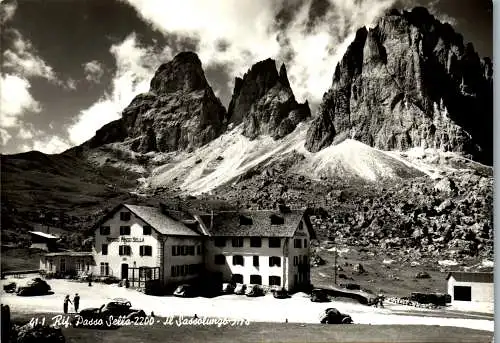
(5, 325)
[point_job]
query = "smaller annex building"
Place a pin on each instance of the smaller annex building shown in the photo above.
(472, 287)
(43, 241)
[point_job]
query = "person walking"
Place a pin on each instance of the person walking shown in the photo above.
(66, 301)
(76, 302)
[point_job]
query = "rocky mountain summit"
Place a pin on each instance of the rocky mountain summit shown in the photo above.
(179, 112)
(264, 102)
(409, 82)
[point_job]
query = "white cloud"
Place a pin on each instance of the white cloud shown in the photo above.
(22, 59)
(249, 28)
(4, 136)
(70, 84)
(135, 66)
(15, 100)
(25, 133)
(52, 145)
(7, 11)
(93, 71)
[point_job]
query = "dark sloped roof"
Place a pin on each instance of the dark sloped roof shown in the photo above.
(471, 277)
(69, 253)
(161, 222)
(228, 223)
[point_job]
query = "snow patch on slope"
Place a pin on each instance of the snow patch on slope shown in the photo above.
(233, 154)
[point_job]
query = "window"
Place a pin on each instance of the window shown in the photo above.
(295, 260)
(274, 281)
(124, 216)
(274, 242)
(146, 250)
(173, 271)
(184, 250)
(237, 278)
(305, 260)
(256, 279)
(145, 273)
(277, 220)
(255, 242)
(104, 249)
(105, 230)
(297, 243)
(198, 250)
(462, 293)
(238, 260)
(190, 250)
(124, 250)
(244, 220)
(146, 230)
(124, 230)
(256, 261)
(104, 269)
(274, 261)
(175, 250)
(220, 242)
(237, 242)
(220, 259)
(305, 243)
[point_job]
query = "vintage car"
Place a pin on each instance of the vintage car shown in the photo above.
(319, 296)
(240, 288)
(33, 287)
(10, 287)
(334, 316)
(101, 317)
(228, 288)
(254, 291)
(185, 291)
(280, 293)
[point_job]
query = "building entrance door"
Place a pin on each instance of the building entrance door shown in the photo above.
(124, 271)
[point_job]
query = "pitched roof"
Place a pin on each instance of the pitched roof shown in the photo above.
(161, 222)
(69, 253)
(43, 234)
(471, 277)
(253, 223)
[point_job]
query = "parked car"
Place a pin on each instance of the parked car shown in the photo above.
(254, 291)
(240, 289)
(10, 287)
(33, 287)
(319, 296)
(280, 293)
(228, 288)
(99, 316)
(334, 316)
(185, 291)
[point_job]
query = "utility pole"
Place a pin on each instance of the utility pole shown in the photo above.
(335, 265)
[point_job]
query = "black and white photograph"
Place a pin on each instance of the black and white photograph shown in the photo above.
(247, 171)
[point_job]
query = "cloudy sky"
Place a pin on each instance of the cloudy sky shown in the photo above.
(71, 66)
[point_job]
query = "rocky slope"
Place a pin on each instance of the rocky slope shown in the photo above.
(409, 82)
(179, 112)
(264, 102)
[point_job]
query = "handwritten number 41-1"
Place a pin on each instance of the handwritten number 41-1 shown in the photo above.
(36, 321)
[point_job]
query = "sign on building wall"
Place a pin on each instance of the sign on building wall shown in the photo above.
(126, 239)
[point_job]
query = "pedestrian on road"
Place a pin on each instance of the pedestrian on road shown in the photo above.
(66, 301)
(76, 302)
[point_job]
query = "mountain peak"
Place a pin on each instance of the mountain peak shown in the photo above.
(183, 73)
(264, 102)
(156, 121)
(409, 82)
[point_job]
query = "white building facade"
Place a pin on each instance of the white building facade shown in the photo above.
(471, 287)
(153, 244)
